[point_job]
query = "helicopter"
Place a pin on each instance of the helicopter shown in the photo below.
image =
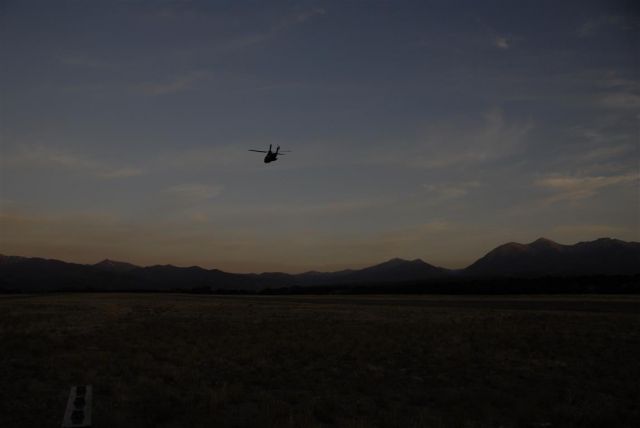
(271, 155)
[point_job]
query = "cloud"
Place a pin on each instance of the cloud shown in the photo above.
(299, 210)
(42, 156)
(502, 42)
(621, 100)
(84, 61)
(602, 153)
(194, 192)
(606, 146)
(279, 26)
(326, 208)
(304, 15)
(218, 156)
(198, 217)
(495, 138)
(427, 229)
(451, 190)
(591, 27)
(598, 147)
(455, 144)
(177, 84)
(244, 41)
(588, 28)
(612, 79)
(618, 91)
(576, 232)
(572, 188)
(173, 9)
(121, 172)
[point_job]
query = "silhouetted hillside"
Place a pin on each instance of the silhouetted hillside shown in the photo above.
(37, 274)
(168, 277)
(396, 270)
(544, 257)
(114, 266)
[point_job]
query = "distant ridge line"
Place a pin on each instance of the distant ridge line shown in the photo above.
(540, 258)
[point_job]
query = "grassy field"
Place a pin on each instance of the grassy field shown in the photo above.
(166, 360)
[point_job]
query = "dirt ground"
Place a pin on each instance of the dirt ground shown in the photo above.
(171, 360)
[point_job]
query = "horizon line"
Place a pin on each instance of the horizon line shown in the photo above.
(107, 259)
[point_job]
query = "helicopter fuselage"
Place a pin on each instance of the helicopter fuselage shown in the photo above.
(271, 155)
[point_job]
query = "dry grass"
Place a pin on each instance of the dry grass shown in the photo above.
(160, 360)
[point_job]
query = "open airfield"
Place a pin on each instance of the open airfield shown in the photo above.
(173, 360)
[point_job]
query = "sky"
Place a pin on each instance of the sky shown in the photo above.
(418, 129)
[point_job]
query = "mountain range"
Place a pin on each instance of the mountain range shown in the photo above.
(541, 258)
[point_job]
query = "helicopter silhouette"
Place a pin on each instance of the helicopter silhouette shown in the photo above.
(271, 155)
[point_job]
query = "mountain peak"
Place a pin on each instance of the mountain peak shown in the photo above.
(544, 243)
(608, 241)
(115, 266)
(396, 261)
(543, 240)
(509, 247)
(546, 257)
(107, 262)
(398, 268)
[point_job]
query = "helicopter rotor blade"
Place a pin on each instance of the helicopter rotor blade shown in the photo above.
(259, 151)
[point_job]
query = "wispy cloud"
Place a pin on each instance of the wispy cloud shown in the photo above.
(120, 172)
(598, 143)
(43, 156)
(618, 91)
(604, 147)
(174, 85)
(172, 9)
(194, 192)
(498, 40)
(503, 42)
(572, 188)
(576, 232)
(296, 211)
(451, 190)
(612, 79)
(305, 15)
(336, 207)
(593, 26)
(421, 231)
(219, 156)
(621, 100)
(277, 27)
(85, 61)
(603, 153)
(454, 144)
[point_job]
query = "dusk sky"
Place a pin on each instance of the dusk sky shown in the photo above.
(426, 129)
